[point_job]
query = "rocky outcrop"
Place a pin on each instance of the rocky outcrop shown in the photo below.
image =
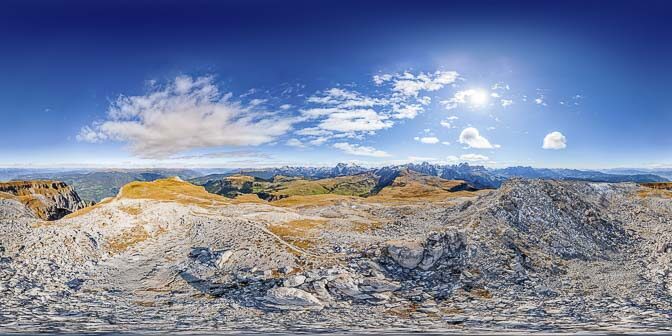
(425, 254)
(49, 200)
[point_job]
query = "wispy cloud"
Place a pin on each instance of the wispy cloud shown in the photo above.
(185, 114)
(355, 149)
(428, 140)
(409, 84)
(225, 155)
(467, 158)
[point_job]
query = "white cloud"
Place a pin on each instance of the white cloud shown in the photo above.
(355, 121)
(295, 143)
(355, 149)
(88, 134)
(500, 86)
(285, 106)
(187, 113)
(380, 79)
(409, 84)
(427, 140)
(471, 137)
(445, 143)
(347, 111)
(313, 131)
(554, 140)
(473, 157)
(446, 123)
(318, 141)
(506, 102)
(473, 97)
(255, 102)
(421, 159)
(406, 111)
(467, 158)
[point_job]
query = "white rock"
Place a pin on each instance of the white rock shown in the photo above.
(286, 298)
(407, 254)
(223, 258)
(294, 280)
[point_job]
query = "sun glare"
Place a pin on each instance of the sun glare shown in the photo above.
(478, 98)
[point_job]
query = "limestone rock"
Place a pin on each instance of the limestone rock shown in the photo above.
(285, 298)
(407, 254)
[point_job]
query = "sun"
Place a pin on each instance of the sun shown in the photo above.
(478, 97)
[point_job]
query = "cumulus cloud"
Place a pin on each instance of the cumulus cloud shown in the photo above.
(506, 102)
(554, 140)
(355, 149)
(427, 140)
(185, 114)
(471, 137)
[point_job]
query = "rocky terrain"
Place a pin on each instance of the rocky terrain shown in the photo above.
(533, 255)
(49, 200)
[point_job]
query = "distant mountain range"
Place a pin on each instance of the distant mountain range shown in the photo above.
(477, 176)
(94, 185)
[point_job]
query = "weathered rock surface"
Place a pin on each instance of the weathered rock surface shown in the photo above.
(532, 256)
(291, 299)
(49, 200)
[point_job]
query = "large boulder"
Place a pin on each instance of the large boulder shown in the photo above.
(425, 254)
(407, 254)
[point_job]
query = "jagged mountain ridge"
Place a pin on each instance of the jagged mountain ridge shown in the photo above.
(477, 176)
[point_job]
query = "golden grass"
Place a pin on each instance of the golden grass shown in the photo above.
(247, 198)
(648, 192)
(131, 210)
(86, 210)
(172, 190)
(414, 192)
(4, 195)
(482, 293)
(297, 232)
(362, 227)
(659, 185)
(127, 239)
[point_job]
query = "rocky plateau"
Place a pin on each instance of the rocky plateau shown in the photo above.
(167, 256)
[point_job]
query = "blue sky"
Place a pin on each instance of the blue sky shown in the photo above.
(265, 83)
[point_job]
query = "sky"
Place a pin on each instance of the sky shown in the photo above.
(575, 84)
